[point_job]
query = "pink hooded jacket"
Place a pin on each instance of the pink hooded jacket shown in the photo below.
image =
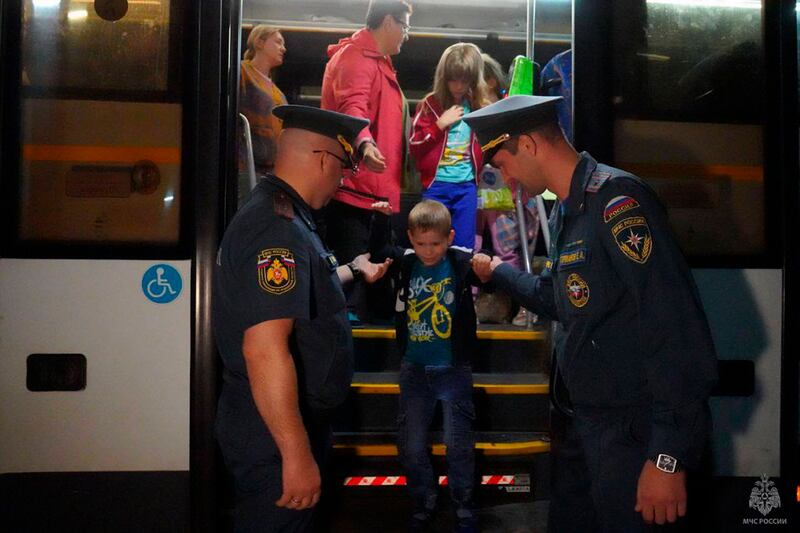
(361, 82)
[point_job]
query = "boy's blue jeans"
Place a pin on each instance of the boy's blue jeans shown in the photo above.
(420, 389)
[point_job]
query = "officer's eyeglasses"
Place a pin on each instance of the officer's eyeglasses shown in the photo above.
(346, 163)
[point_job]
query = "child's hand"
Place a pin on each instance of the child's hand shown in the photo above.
(482, 266)
(450, 117)
(382, 207)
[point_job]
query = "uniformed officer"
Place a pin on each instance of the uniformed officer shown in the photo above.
(633, 346)
(281, 326)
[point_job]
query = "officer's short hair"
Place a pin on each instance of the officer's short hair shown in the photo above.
(550, 131)
(429, 215)
(378, 9)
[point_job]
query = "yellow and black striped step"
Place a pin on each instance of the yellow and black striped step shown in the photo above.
(506, 383)
(486, 443)
(485, 332)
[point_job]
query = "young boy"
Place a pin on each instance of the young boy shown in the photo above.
(436, 335)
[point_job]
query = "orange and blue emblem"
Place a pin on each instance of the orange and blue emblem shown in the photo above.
(577, 290)
(276, 270)
(617, 206)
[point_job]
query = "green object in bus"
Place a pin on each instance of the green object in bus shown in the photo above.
(522, 77)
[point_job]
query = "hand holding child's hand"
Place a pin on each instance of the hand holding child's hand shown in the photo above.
(482, 266)
(371, 272)
(450, 117)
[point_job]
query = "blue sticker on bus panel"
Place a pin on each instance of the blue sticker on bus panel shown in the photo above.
(161, 283)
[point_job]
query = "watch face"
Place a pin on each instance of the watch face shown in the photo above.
(667, 463)
(111, 10)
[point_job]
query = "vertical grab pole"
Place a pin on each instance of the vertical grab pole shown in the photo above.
(251, 163)
(520, 209)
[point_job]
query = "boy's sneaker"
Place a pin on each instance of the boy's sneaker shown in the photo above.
(422, 516)
(466, 521)
(353, 319)
(522, 318)
(420, 520)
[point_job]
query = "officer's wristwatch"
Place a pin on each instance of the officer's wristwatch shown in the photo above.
(666, 463)
(354, 269)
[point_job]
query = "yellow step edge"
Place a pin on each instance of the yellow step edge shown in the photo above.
(486, 448)
(497, 335)
(490, 388)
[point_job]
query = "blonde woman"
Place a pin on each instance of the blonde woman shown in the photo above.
(258, 94)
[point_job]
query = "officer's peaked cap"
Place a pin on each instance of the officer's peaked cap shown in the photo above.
(343, 128)
(497, 123)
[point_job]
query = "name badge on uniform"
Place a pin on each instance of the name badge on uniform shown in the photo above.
(330, 261)
(571, 258)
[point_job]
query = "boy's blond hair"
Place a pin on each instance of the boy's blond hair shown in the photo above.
(429, 215)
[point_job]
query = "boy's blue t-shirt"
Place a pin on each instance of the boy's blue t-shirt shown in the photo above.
(455, 166)
(429, 310)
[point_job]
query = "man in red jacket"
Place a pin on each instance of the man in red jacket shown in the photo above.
(360, 81)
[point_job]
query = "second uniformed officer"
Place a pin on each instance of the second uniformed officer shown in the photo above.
(281, 326)
(633, 346)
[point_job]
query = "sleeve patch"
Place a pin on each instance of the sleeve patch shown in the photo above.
(276, 270)
(633, 238)
(617, 206)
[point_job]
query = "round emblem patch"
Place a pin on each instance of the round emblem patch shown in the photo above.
(276, 273)
(577, 290)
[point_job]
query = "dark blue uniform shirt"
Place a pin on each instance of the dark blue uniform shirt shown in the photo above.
(273, 265)
(631, 328)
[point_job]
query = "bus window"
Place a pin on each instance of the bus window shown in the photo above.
(688, 98)
(99, 147)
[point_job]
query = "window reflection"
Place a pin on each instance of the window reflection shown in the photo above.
(66, 45)
(689, 102)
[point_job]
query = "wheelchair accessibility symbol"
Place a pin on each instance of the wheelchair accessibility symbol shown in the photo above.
(161, 284)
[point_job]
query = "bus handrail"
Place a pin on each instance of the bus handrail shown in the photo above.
(251, 163)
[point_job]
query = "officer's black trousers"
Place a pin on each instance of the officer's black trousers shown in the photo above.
(596, 460)
(252, 457)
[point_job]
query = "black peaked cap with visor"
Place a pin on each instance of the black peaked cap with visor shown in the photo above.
(497, 123)
(343, 128)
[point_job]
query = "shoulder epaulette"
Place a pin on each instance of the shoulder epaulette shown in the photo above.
(597, 180)
(282, 205)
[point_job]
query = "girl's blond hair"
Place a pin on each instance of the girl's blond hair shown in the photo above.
(262, 32)
(461, 61)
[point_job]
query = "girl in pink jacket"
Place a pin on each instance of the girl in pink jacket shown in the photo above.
(445, 149)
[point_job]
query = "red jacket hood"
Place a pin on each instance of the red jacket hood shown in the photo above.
(362, 39)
